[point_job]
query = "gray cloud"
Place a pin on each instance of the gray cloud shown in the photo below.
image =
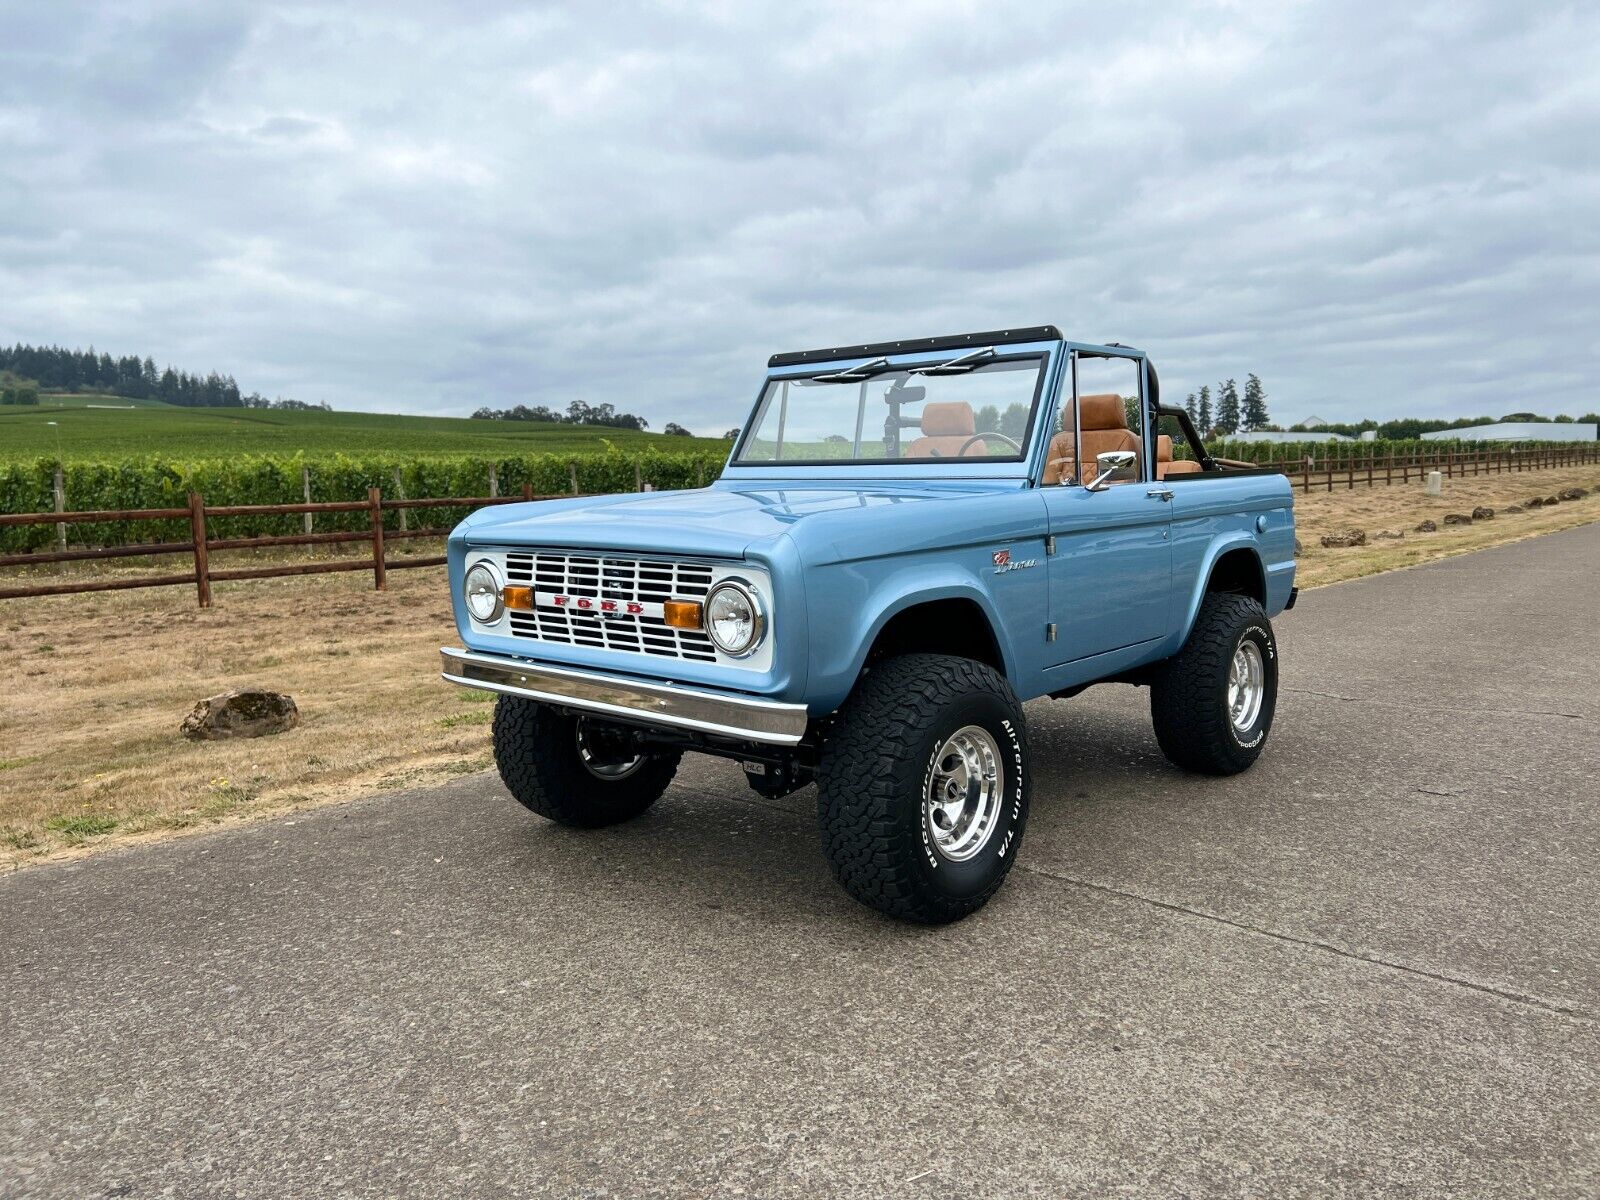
(420, 207)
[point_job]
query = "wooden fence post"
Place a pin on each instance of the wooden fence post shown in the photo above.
(202, 557)
(638, 478)
(375, 506)
(61, 506)
(305, 488)
(527, 491)
(400, 493)
(1306, 481)
(494, 481)
(572, 469)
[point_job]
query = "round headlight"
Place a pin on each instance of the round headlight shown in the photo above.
(482, 593)
(734, 618)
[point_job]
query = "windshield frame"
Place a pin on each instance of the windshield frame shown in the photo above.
(1013, 465)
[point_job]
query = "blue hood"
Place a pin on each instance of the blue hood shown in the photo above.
(724, 520)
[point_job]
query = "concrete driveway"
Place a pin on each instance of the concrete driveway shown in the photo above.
(1370, 965)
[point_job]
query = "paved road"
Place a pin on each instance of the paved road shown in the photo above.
(1371, 964)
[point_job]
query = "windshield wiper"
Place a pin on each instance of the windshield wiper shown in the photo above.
(850, 374)
(955, 366)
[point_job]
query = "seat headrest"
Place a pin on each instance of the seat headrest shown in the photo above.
(950, 419)
(1163, 448)
(1103, 411)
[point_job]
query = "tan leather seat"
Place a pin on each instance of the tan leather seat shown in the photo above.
(1105, 428)
(1167, 465)
(946, 430)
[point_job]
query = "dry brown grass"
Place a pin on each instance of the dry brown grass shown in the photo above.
(1404, 506)
(96, 685)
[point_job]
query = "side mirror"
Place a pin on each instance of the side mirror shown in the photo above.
(1108, 464)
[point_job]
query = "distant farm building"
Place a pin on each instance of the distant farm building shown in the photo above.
(1313, 423)
(1521, 431)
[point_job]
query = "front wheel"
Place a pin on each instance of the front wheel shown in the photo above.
(922, 789)
(572, 770)
(1212, 703)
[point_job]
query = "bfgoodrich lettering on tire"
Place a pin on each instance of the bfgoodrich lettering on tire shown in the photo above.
(922, 791)
(1213, 702)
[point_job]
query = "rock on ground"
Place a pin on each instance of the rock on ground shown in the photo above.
(1350, 537)
(1427, 527)
(1482, 513)
(1457, 519)
(241, 713)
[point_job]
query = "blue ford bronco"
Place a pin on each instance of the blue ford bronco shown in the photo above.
(909, 540)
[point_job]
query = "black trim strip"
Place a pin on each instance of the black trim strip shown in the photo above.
(1001, 337)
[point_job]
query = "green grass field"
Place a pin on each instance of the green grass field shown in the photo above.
(102, 428)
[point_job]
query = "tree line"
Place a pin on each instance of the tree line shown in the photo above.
(58, 369)
(1412, 427)
(1233, 413)
(578, 412)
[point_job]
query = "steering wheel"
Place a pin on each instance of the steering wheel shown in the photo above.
(979, 437)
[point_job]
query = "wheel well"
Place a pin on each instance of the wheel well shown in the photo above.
(954, 626)
(1239, 571)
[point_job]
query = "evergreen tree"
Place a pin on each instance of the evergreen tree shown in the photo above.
(1205, 412)
(1228, 408)
(1255, 403)
(1194, 413)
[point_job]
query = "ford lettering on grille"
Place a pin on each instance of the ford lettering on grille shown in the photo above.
(610, 602)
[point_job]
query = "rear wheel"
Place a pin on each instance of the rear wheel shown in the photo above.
(572, 770)
(922, 790)
(1213, 702)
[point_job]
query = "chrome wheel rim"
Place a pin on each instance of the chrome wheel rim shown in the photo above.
(1247, 685)
(965, 792)
(592, 753)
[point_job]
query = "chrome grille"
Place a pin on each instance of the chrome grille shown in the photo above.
(606, 577)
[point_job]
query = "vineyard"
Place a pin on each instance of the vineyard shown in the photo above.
(39, 485)
(268, 479)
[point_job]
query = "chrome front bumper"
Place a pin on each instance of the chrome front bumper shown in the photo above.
(630, 699)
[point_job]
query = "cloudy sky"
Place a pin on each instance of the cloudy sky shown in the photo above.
(1382, 209)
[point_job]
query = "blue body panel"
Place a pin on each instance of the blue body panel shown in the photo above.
(848, 547)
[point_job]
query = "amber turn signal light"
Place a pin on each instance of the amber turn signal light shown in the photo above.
(517, 597)
(681, 614)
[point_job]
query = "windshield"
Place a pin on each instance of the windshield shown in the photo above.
(903, 414)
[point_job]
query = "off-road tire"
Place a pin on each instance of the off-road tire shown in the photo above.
(536, 749)
(1189, 698)
(873, 777)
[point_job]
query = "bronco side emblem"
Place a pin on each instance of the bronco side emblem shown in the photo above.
(1003, 562)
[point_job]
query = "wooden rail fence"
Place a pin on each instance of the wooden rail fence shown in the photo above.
(199, 545)
(1345, 464)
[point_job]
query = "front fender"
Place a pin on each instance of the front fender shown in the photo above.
(851, 607)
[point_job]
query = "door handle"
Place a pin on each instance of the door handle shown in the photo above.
(1159, 494)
